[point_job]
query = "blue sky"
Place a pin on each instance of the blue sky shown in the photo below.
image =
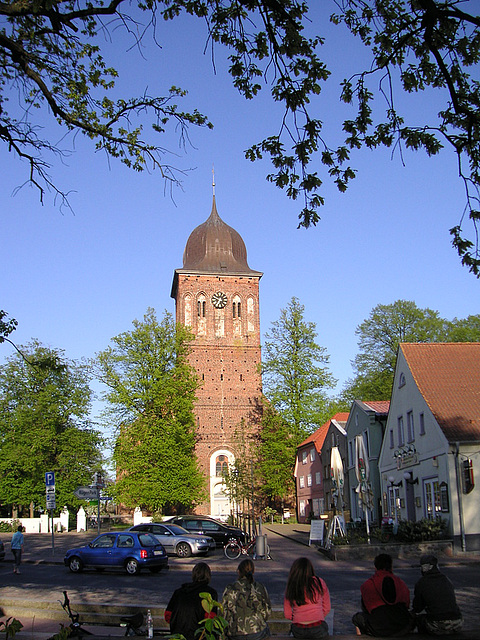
(75, 280)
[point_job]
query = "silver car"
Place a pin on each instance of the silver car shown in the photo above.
(177, 540)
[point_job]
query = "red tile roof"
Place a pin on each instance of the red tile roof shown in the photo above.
(379, 406)
(448, 377)
(318, 436)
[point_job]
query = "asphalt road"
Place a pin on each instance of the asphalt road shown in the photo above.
(45, 581)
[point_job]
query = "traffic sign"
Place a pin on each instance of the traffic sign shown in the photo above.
(86, 493)
(50, 478)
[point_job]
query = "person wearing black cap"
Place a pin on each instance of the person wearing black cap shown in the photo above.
(434, 601)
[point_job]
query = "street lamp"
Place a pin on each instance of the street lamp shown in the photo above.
(408, 476)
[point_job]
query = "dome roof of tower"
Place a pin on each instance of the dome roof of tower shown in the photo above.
(215, 247)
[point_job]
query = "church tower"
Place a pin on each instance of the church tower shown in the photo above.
(217, 295)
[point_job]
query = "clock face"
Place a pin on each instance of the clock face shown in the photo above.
(219, 300)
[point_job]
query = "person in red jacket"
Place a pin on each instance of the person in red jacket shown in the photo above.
(385, 603)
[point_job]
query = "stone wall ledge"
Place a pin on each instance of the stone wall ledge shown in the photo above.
(439, 548)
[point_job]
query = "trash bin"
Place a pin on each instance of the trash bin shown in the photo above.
(260, 546)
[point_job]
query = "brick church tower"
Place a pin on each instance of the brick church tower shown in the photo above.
(217, 295)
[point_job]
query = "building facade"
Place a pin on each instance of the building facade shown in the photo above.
(368, 420)
(312, 466)
(431, 450)
(217, 295)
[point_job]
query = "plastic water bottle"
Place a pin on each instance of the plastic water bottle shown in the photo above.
(149, 624)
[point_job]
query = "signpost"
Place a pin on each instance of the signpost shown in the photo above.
(86, 493)
(92, 492)
(51, 502)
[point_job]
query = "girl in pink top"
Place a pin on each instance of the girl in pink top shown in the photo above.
(307, 601)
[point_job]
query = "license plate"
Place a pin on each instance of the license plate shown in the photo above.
(158, 553)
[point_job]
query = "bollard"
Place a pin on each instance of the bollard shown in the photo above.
(260, 546)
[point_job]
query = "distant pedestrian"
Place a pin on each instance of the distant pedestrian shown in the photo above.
(385, 603)
(246, 606)
(306, 602)
(434, 601)
(17, 548)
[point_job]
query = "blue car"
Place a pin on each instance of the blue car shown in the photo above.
(131, 551)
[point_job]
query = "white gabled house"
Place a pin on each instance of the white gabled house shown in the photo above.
(430, 458)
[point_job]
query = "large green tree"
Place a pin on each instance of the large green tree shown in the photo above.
(381, 333)
(277, 452)
(295, 371)
(295, 382)
(151, 394)
(51, 57)
(44, 406)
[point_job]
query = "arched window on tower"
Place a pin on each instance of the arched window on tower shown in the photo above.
(237, 316)
(250, 315)
(201, 314)
(201, 308)
(221, 466)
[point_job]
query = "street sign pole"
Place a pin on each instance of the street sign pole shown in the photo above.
(51, 503)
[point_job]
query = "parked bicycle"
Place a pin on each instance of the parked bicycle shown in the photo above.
(234, 549)
(133, 625)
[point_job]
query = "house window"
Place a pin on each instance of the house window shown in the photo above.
(302, 508)
(422, 424)
(350, 453)
(410, 427)
(401, 434)
(433, 503)
(309, 480)
(366, 443)
(304, 457)
(401, 382)
(392, 440)
(394, 502)
(318, 478)
(312, 455)
(301, 482)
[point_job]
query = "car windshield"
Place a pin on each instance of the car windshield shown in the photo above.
(147, 540)
(177, 530)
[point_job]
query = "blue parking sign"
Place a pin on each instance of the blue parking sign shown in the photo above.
(50, 478)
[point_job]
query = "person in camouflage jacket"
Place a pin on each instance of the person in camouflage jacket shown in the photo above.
(246, 605)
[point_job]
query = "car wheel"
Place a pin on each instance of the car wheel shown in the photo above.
(131, 567)
(183, 550)
(75, 564)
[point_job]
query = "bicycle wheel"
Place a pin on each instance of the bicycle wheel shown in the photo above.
(232, 550)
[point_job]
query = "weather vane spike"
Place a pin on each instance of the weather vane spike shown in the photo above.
(213, 179)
